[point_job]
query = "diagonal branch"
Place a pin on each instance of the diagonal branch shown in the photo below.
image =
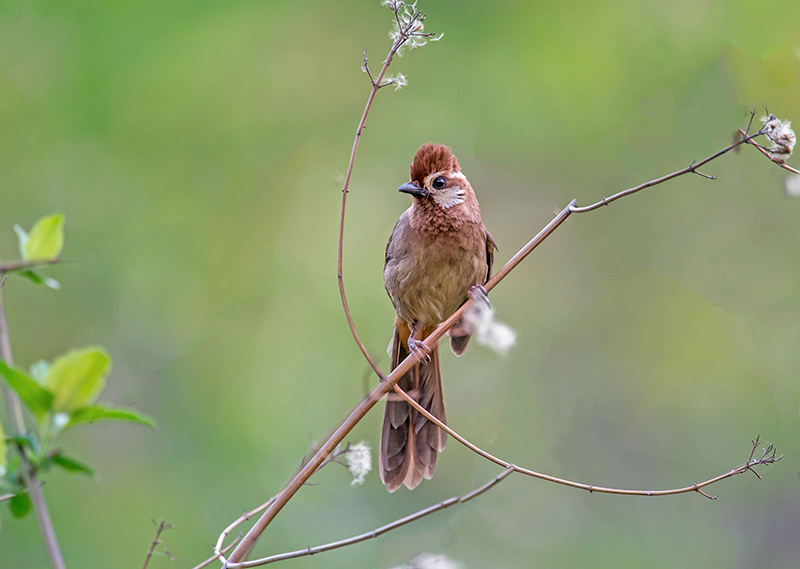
(690, 168)
(409, 26)
(387, 383)
(383, 529)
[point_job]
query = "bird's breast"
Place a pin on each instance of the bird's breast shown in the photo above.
(427, 275)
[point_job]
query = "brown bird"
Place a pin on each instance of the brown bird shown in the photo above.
(438, 252)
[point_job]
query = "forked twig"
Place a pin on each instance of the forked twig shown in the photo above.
(218, 549)
(160, 528)
(690, 168)
(381, 530)
(216, 556)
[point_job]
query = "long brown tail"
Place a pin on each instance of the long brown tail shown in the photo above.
(408, 455)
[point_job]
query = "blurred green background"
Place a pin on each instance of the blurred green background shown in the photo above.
(197, 150)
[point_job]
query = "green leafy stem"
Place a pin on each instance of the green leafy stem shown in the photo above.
(59, 395)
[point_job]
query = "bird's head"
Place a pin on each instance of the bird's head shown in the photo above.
(436, 175)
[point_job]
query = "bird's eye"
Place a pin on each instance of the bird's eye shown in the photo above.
(439, 183)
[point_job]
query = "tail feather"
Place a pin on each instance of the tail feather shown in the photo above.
(408, 455)
(460, 334)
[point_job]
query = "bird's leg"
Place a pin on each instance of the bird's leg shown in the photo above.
(416, 346)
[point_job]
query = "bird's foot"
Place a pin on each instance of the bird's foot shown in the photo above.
(419, 349)
(478, 294)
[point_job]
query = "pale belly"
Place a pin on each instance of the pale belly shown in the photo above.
(429, 284)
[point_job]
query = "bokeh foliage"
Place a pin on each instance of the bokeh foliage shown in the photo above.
(197, 150)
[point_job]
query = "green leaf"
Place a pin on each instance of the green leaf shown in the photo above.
(36, 278)
(77, 378)
(46, 239)
(32, 276)
(71, 465)
(101, 412)
(37, 398)
(20, 505)
(26, 440)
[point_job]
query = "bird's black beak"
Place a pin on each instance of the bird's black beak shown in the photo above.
(413, 189)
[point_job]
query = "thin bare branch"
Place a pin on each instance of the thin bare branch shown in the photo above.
(766, 459)
(216, 556)
(381, 530)
(365, 69)
(690, 168)
(23, 265)
(160, 528)
(218, 549)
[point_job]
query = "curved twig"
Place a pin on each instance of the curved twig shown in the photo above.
(768, 457)
(404, 33)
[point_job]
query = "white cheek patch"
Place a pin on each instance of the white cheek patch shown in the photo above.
(449, 197)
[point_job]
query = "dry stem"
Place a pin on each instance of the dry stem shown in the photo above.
(160, 528)
(216, 556)
(383, 529)
(22, 265)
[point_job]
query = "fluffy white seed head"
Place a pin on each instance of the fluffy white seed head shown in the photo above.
(359, 462)
(782, 137)
(489, 332)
